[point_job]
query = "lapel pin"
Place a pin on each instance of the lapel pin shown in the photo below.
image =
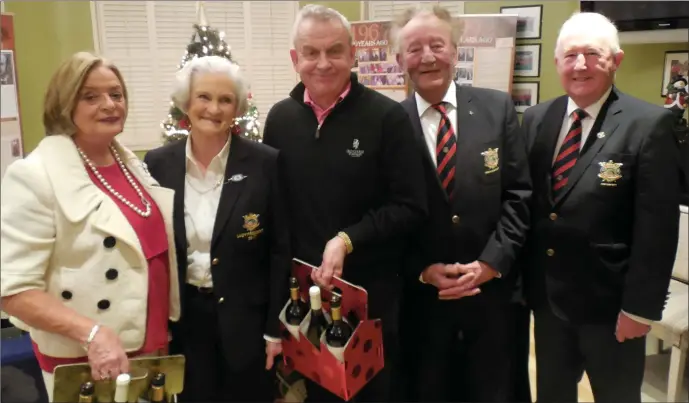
(600, 135)
(471, 112)
(237, 178)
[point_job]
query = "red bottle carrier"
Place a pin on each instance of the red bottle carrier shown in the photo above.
(363, 354)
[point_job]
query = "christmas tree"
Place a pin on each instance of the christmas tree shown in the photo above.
(207, 41)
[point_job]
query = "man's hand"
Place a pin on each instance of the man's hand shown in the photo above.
(444, 277)
(627, 328)
(272, 351)
(481, 273)
(333, 260)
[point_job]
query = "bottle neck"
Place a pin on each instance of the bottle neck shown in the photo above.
(336, 314)
(158, 394)
(294, 294)
(316, 303)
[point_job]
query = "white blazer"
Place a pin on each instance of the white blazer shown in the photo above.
(60, 233)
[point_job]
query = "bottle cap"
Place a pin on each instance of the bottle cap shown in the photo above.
(158, 379)
(123, 379)
(314, 291)
(87, 388)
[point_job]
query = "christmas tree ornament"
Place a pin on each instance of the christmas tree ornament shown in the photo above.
(207, 41)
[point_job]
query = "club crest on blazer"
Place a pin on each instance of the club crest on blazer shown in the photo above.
(251, 225)
(491, 161)
(610, 173)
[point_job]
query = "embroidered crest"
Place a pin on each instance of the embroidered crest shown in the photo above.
(354, 151)
(251, 225)
(610, 173)
(491, 160)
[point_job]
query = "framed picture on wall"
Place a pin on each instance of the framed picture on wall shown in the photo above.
(529, 21)
(527, 60)
(524, 95)
(676, 65)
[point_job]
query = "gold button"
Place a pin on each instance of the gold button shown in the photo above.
(455, 219)
(221, 300)
(550, 252)
(215, 261)
(553, 216)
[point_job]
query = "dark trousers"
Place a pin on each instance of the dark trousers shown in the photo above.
(521, 322)
(208, 376)
(615, 370)
(463, 349)
(384, 304)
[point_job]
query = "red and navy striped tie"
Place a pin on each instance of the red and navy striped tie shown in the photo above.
(446, 150)
(569, 153)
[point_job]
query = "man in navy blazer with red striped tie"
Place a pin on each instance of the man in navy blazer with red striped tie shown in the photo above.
(605, 215)
(461, 274)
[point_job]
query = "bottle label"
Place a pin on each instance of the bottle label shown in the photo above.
(337, 352)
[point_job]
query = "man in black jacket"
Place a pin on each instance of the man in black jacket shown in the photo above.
(478, 188)
(605, 219)
(354, 177)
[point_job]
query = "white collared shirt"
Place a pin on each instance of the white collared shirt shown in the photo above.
(201, 199)
(587, 122)
(430, 118)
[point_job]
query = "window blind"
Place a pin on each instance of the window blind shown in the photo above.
(147, 40)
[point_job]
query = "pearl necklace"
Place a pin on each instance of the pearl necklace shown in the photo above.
(117, 194)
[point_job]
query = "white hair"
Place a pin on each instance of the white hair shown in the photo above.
(207, 65)
(319, 13)
(590, 26)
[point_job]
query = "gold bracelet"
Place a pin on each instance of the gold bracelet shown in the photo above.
(347, 241)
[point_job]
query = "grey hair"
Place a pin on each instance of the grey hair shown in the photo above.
(591, 26)
(206, 65)
(319, 13)
(422, 10)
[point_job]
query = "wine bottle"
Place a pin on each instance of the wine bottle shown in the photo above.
(86, 392)
(122, 388)
(318, 323)
(158, 388)
(297, 309)
(338, 332)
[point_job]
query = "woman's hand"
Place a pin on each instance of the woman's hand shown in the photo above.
(106, 355)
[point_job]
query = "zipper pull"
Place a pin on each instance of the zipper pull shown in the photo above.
(318, 131)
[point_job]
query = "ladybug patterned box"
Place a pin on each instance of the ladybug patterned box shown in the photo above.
(363, 353)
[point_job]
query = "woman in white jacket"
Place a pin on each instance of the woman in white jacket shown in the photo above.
(87, 252)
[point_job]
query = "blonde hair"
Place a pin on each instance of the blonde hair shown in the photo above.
(62, 95)
(421, 10)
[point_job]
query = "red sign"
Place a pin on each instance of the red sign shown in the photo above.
(6, 32)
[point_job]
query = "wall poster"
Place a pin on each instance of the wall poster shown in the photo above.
(11, 147)
(485, 56)
(375, 63)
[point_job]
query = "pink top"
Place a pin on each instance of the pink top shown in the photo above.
(321, 114)
(153, 239)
